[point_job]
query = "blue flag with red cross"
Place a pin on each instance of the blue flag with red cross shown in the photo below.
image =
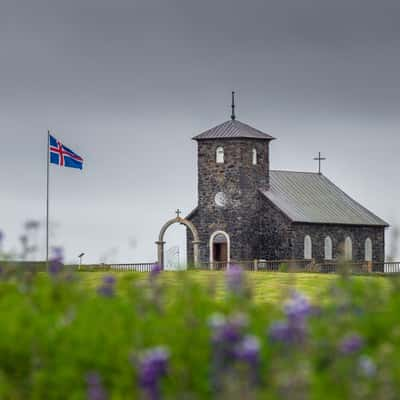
(62, 155)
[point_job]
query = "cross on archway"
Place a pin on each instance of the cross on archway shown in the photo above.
(319, 159)
(178, 213)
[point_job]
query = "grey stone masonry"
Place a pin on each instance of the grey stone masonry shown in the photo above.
(238, 179)
(338, 234)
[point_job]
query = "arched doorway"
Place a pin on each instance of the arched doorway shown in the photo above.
(220, 249)
(160, 243)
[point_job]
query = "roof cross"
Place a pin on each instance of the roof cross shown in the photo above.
(178, 213)
(319, 159)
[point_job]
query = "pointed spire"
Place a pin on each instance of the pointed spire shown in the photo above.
(233, 116)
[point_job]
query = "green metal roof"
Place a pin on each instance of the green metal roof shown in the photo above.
(312, 198)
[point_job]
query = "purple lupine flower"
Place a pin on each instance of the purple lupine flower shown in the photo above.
(56, 261)
(367, 366)
(248, 350)
(155, 271)
(152, 367)
(351, 343)
(279, 331)
(235, 278)
(55, 268)
(57, 253)
(107, 289)
(294, 329)
(228, 330)
(95, 389)
(297, 306)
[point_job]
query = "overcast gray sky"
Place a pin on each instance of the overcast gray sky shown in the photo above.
(126, 84)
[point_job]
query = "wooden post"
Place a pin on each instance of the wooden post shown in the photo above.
(255, 265)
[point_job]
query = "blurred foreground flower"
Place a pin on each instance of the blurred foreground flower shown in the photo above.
(294, 329)
(235, 279)
(152, 367)
(351, 343)
(95, 390)
(32, 225)
(248, 350)
(107, 289)
(55, 268)
(297, 306)
(227, 330)
(56, 261)
(367, 366)
(231, 347)
(155, 271)
(57, 253)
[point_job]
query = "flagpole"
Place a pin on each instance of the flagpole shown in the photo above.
(47, 199)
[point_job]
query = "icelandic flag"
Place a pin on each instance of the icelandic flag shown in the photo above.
(62, 155)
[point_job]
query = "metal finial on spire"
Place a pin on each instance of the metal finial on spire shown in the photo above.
(233, 116)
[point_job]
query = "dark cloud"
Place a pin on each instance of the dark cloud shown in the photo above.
(128, 83)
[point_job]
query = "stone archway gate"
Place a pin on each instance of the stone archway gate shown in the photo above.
(160, 242)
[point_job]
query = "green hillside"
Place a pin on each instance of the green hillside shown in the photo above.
(266, 286)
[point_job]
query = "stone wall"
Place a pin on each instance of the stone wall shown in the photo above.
(338, 234)
(276, 236)
(239, 180)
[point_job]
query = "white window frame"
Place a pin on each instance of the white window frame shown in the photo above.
(368, 250)
(307, 247)
(348, 249)
(328, 249)
(254, 156)
(219, 155)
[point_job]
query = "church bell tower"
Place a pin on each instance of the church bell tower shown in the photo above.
(233, 165)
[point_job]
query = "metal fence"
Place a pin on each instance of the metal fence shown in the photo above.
(306, 266)
(390, 267)
(258, 265)
(140, 267)
(291, 265)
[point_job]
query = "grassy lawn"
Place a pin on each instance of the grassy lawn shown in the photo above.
(266, 286)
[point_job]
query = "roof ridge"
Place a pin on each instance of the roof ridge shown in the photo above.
(297, 172)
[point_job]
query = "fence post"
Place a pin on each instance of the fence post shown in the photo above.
(255, 265)
(369, 266)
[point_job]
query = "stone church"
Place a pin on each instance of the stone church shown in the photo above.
(247, 211)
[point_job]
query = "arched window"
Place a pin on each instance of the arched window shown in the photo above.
(328, 248)
(368, 249)
(254, 156)
(220, 155)
(348, 249)
(307, 248)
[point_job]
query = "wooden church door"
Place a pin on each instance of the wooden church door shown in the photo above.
(220, 251)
